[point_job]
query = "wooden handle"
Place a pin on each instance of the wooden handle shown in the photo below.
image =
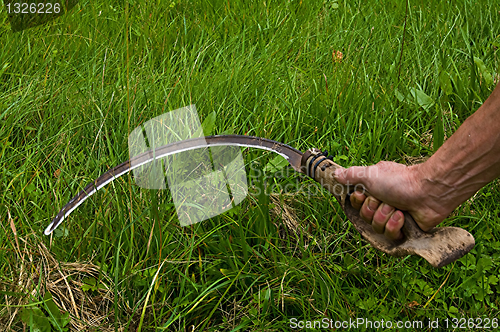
(439, 246)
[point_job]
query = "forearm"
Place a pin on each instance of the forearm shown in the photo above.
(469, 159)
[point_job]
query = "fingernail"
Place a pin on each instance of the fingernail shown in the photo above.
(355, 195)
(372, 205)
(387, 209)
(396, 217)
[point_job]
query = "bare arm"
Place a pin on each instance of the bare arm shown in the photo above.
(430, 191)
(469, 159)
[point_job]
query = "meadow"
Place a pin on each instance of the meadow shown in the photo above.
(365, 80)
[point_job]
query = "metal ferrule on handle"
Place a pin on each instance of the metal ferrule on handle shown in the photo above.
(440, 246)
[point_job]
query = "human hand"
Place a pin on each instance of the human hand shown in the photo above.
(393, 188)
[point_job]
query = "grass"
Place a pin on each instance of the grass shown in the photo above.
(71, 92)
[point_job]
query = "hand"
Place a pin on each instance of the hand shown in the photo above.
(395, 188)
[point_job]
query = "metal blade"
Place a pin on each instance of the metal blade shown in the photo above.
(292, 155)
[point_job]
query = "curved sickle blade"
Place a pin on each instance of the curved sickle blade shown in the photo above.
(292, 155)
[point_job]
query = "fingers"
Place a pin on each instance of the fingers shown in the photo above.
(357, 199)
(394, 225)
(383, 217)
(369, 208)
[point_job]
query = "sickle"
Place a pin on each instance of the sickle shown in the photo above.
(440, 246)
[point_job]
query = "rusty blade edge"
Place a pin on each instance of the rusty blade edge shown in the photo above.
(293, 156)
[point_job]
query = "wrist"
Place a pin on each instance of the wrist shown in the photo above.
(433, 190)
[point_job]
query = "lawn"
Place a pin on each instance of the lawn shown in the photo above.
(365, 80)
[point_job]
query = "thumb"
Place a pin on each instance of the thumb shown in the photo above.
(352, 175)
(340, 175)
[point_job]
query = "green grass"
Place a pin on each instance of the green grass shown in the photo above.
(71, 92)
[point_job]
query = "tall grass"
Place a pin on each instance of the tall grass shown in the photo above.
(71, 92)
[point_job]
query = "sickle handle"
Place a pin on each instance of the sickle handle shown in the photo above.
(440, 246)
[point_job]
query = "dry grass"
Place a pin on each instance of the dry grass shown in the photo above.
(285, 212)
(36, 271)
